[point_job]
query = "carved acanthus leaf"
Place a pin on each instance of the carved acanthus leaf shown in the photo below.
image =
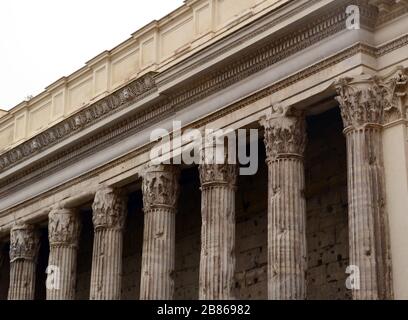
(285, 133)
(160, 186)
(24, 243)
(397, 91)
(109, 209)
(367, 99)
(361, 101)
(215, 174)
(218, 165)
(63, 227)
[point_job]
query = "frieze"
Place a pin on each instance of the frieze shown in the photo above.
(326, 25)
(104, 138)
(96, 112)
(68, 156)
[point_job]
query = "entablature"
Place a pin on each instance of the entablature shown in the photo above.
(156, 97)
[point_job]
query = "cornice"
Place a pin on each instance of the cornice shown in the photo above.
(237, 70)
(328, 23)
(314, 69)
(400, 9)
(121, 98)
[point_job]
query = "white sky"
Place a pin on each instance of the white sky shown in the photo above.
(44, 40)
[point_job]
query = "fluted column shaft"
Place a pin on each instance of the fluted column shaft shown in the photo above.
(63, 231)
(24, 247)
(160, 194)
(109, 211)
(217, 263)
(362, 104)
(285, 141)
(366, 209)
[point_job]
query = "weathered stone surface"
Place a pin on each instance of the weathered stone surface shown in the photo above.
(160, 193)
(327, 208)
(285, 141)
(224, 72)
(24, 247)
(217, 265)
(363, 103)
(109, 216)
(63, 231)
(108, 210)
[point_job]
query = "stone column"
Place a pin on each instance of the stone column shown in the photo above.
(63, 232)
(24, 248)
(362, 103)
(160, 194)
(217, 263)
(109, 213)
(285, 141)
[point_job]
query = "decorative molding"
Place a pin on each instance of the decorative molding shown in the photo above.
(109, 210)
(161, 187)
(68, 157)
(130, 94)
(389, 10)
(396, 86)
(371, 100)
(361, 102)
(391, 46)
(285, 133)
(327, 24)
(64, 227)
(26, 177)
(24, 243)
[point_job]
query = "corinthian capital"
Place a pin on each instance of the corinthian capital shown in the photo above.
(24, 243)
(213, 174)
(361, 101)
(63, 227)
(109, 209)
(161, 186)
(217, 165)
(285, 133)
(367, 99)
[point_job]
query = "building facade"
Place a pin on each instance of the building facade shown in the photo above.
(84, 214)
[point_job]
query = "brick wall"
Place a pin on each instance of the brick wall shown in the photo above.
(188, 236)
(251, 233)
(132, 248)
(326, 194)
(251, 240)
(327, 231)
(85, 257)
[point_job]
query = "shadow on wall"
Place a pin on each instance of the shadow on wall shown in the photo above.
(327, 208)
(4, 271)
